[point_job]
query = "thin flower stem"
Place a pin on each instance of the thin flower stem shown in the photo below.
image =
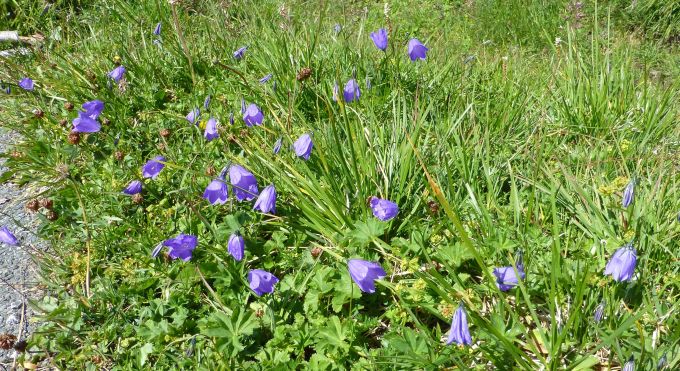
(87, 240)
(183, 42)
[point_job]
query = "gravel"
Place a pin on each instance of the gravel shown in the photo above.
(18, 271)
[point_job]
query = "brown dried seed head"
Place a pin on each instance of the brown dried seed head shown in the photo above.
(304, 74)
(68, 106)
(165, 133)
(316, 252)
(63, 122)
(20, 346)
(74, 138)
(7, 341)
(434, 206)
(51, 215)
(46, 203)
(138, 198)
(118, 155)
(39, 113)
(33, 205)
(105, 121)
(259, 313)
(15, 154)
(210, 171)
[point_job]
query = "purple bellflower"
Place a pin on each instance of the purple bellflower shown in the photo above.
(153, 167)
(182, 246)
(93, 108)
(628, 194)
(383, 209)
(336, 91)
(238, 54)
(630, 364)
(243, 183)
(236, 246)
(380, 39)
(337, 28)
(277, 146)
(192, 116)
(252, 115)
(266, 78)
(157, 30)
(351, 91)
(599, 312)
(231, 118)
(133, 188)
(261, 282)
(303, 146)
(8, 237)
(117, 73)
(460, 331)
(506, 277)
(216, 192)
(266, 202)
(621, 266)
(364, 273)
(416, 50)
(85, 124)
(211, 129)
(26, 84)
(206, 102)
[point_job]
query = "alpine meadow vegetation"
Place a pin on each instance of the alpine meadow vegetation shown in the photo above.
(307, 184)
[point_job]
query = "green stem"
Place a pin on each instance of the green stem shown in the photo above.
(183, 42)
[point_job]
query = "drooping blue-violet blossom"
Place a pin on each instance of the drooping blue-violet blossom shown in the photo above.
(211, 129)
(266, 202)
(238, 54)
(26, 84)
(193, 115)
(277, 146)
(416, 50)
(460, 330)
(630, 364)
(303, 146)
(6, 236)
(506, 277)
(117, 73)
(84, 123)
(621, 266)
(383, 209)
(266, 78)
(261, 282)
(93, 108)
(351, 91)
(157, 30)
(628, 194)
(252, 115)
(364, 273)
(599, 311)
(133, 188)
(243, 183)
(380, 39)
(153, 167)
(206, 102)
(231, 118)
(216, 192)
(181, 247)
(236, 246)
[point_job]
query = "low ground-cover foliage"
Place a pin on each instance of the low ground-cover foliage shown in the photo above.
(506, 150)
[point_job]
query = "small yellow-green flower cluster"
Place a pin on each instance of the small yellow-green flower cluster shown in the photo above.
(78, 265)
(615, 186)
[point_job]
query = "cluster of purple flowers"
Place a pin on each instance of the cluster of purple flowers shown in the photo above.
(87, 120)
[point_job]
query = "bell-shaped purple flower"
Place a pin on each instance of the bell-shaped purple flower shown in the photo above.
(236, 246)
(93, 108)
(599, 312)
(85, 124)
(252, 115)
(182, 246)
(211, 129)
(506, 277)
(261, 282)
(117, 73)
(192, 116)
(238, 54)
(351, 91)
(383, 209)
(266, 202)
(206, 102)
(380, 39)
(216, 192)
(133, 188)
(153, 167)
(157, 30)
(460, 331)
(416, 50)
(303, 146)
(266, 78)
(231, 118)
(8, 237)
(364, 273)
(337, 28)
(277, 146)
(26, 84)
(621, 266)
(243, 183)
(628, 193)
(630, 364)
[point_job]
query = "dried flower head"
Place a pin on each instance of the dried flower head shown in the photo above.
(51, 215)
(138, 198)
(118, 155)
(33, 205)
(39, 113)
(7, 341)
(165, 132)
(68, 106)
(304, 74)
(74, 137)
(46, 203)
